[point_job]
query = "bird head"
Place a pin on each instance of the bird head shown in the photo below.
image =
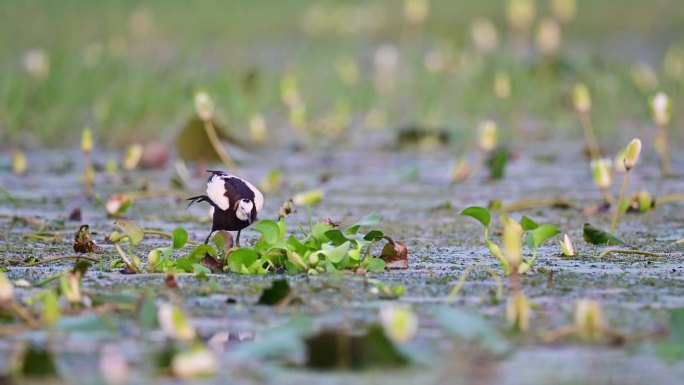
(244, 210)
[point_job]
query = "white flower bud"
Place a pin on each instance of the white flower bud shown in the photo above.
(204, 106)
(661, 108)
(632, 153)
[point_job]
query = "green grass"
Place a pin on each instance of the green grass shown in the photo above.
(130, 71)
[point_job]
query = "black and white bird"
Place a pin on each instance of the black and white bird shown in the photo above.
(236, 202)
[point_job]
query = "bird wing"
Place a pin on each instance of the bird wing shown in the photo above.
(216, 191)
(237, 188)
(225, 189)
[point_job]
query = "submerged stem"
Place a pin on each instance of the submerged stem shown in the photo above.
(670, 198)
(589, 136)
(628, 251)
(665, 154)
(618, 207)
(168, 235)
(125, 257)
(461, 281)
(526, 204)
(218, 147)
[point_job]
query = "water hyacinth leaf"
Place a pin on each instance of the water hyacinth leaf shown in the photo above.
(269, 230)
(134, 232)
(318, 231)
(673, 348)
(86, 323)
(596, 236)
(375, 265)
(336, 237)
(539, 235)
(371, 219)
(200, 251)
(374, 235)
(198, 268)
(528, 223)
(34, 362)
(496, 162)
(223, 241)
(296, 260)
(481, 214)
(340, 349)
(472, 328)
(335, 254)
(147, 315)
(241, 257)
(50, 312)
(274, 294)
(279, 341)
(180, 237)
(294, 244)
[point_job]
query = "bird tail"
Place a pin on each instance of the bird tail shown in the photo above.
(197, 199)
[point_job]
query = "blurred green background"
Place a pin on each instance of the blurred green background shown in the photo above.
(129, 69)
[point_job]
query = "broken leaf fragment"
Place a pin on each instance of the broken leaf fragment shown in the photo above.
(596, 236)
(134, 232)
(276, 293)
(83, 243)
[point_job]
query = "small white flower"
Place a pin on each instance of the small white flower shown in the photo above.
(632, 153)
(487, 135)
(37, 63)
(582, 98)
(661, 107)
(485, 36)
(204, 106)
(600, 169)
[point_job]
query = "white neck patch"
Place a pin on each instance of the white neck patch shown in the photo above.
(216, 190)
(244, 210)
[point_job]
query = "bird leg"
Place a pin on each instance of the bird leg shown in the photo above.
(237, 241)
(206, 240)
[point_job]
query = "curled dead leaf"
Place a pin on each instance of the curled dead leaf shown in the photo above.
(395, 254)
